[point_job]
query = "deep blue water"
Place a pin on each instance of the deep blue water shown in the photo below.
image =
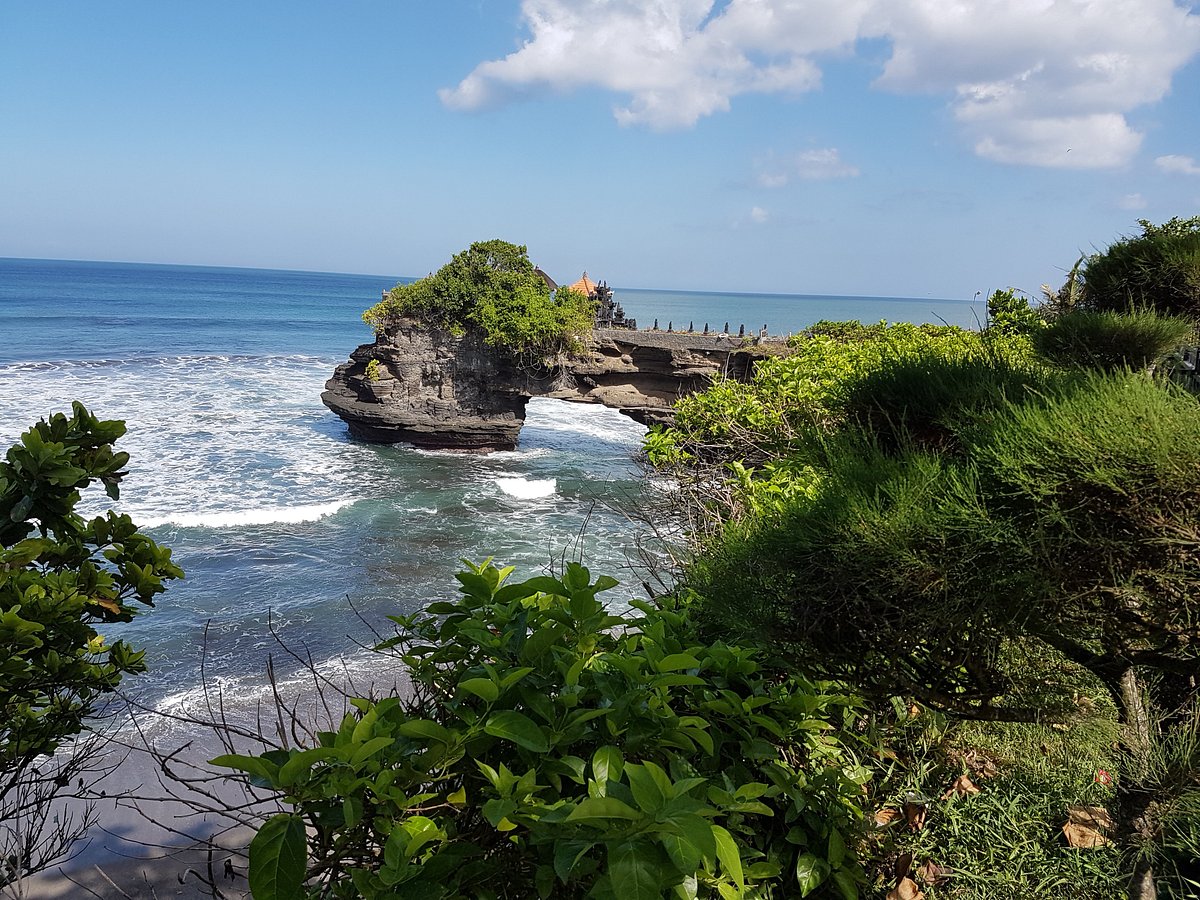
(273, 511)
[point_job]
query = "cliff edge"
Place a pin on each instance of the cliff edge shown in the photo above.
(436, 389)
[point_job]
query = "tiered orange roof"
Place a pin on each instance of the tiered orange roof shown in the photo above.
(584, 285)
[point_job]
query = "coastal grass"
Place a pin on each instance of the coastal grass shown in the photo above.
(1005, 842)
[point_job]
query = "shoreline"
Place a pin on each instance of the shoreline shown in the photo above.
(153, 853)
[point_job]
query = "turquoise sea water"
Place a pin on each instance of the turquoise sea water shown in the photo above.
(279, 519)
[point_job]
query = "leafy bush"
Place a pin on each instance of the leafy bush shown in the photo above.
(912, 570)
(491, 287)
(1109, 340)
(59, 577)
(551, 748)
(925, 396)
(1159, 269)
(1012, 315)
(752, 436)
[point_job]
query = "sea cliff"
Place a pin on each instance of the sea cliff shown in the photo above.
(437, 389)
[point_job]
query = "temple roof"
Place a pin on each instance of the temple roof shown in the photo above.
(585, 285)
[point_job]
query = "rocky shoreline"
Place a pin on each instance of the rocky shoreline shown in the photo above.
(439, 390)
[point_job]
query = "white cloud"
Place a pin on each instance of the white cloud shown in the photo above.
(820, 165)
(1177, 165)
(808, 165)
(1022, 76)
(758, 215)
(1072, 142)
(1132, 202)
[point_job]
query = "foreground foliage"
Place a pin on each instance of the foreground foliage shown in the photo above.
(552, 748)
(494, 289)
(996, 524)
(1071, 518)
(60, 576)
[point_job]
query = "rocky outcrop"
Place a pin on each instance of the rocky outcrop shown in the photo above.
(432, 388)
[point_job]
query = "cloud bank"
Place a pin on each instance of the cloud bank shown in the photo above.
(1031, 82)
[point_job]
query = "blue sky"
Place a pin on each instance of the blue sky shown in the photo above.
(875, 147)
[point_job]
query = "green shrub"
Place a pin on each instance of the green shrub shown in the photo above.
(60, 576)
(551, 748)
(749, 437)
(1109, 340)
(493, 288)
(912, 570)
(924, 396)
(1159, 269)
(790, 399)
(1009, 314)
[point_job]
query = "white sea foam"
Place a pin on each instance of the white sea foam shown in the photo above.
(506, 455)
(214, 441)
(239, 697)
(527, 488)
(288, 515)
(585, 419)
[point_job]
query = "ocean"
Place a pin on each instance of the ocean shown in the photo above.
(284, 525)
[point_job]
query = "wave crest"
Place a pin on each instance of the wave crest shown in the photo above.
(285, 515)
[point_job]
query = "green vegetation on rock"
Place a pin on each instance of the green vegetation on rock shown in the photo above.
(493, 289)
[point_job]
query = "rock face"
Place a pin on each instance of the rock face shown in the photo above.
(431, 388)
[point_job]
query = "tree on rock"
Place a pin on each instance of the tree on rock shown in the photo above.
(492, 288)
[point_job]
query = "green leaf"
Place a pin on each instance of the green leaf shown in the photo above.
(688, 889)
(583, 605)
(277, 859)
(567, 855)
(811, 872)
(541, 641)
(605, 583)
(262, 772)
(518, 728)
(543, 881)
(424, 728)
(603, 808)
(846, 884)
(577, 577)
(608, 764)
(302, 761)
(543, 584)
(514, 676)
(369, 749)
(633, 871)
(727, 853)
(677, 661)
(685, 855)
(646, 790)
(698, 831)
(422, 830)
(483, 688)
(674, 679)
(394, 856)
(837, 848)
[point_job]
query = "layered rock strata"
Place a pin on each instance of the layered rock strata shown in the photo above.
(435, 389)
